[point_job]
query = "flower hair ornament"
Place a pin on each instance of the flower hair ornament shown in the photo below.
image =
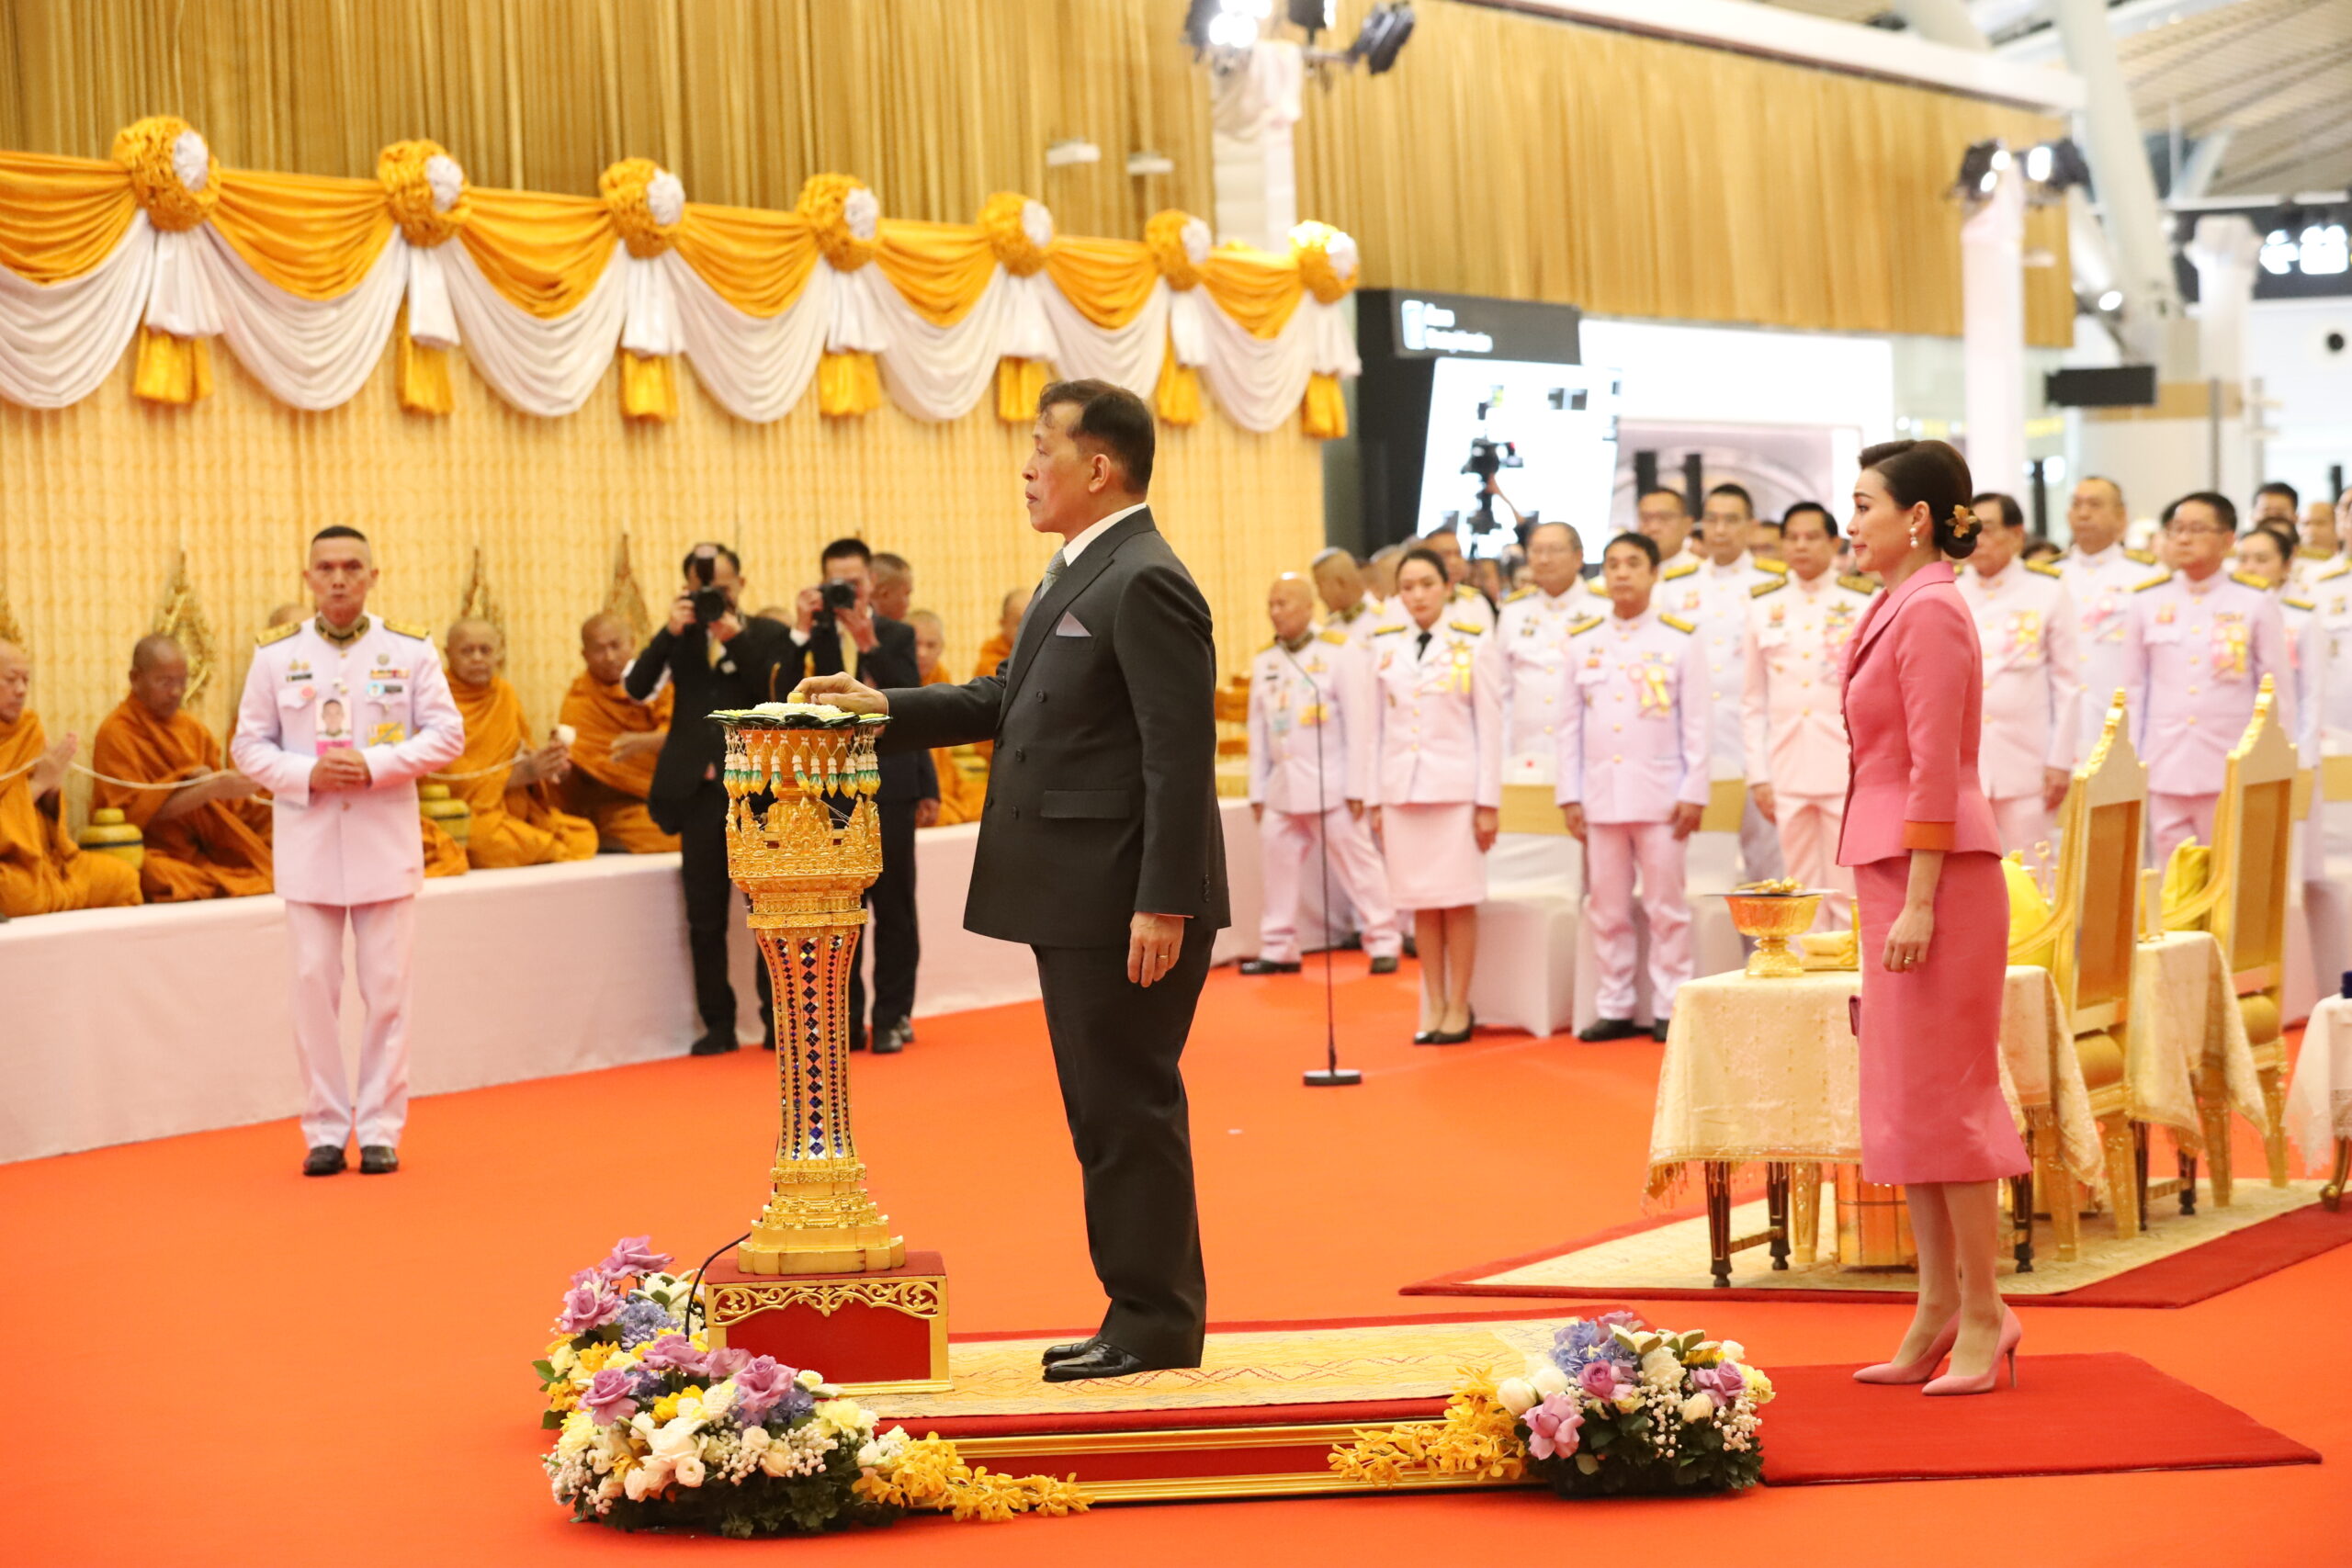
(1963, 523)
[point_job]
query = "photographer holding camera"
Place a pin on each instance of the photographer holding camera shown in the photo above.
(840, 633)
(717, 657)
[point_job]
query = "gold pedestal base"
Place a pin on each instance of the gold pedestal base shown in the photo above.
(1772, 960)
(890, 1253)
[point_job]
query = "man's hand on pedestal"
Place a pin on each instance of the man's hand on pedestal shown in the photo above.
(846, 692)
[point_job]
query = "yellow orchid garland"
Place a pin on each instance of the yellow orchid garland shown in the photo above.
(1327, 260)
(152, 149)
(1477, 1438)
(629, 191)
(1007, 219)
(1166, 237)
(402, 169)
(825, 202)
(929, 1474)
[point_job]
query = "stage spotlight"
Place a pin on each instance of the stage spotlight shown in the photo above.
(1383, 36)
(1315, 15)
(2055, 165)
(1197, 17)
(2111, 300)
(1980, 169)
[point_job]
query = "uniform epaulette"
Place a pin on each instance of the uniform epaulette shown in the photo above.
(2142, 557)
(2247, 579)
(2156, 581)
(1592, 585)
(1335, 636)
(1386, 631)
(277, 633)
(1855, 582)
(1684, 570)
(2310, 552)
(1778, 567)
(1762, 589)
(1462, 590)
(2044, 568)
(2332, 573)
(1580, 627)
(1467, 628)
(2299, 603)
(1516, 595)
(410, 628)
(1678, 623)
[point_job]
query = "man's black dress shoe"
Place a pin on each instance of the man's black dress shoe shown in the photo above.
(1601, 1028)
(1104, 1360)
(717, 1043)
(1658, 1030)
(892, 1038)
(1074, 1347)
(1384, 965)
(325, 1160)
(375, 1159)
(1268, 966)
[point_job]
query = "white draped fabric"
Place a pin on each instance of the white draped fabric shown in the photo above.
(58, 341)
(1126, 356)
(756, 366)
(1258, 381)
(543, 365)
(312, 354)
(933, 372)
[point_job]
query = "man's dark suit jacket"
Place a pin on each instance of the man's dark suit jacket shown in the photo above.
(1102, 795)
(906, 775)
(756, 666)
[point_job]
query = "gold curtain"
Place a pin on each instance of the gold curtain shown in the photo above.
(102, 494)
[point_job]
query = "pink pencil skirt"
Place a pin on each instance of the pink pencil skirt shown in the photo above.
(1433, 855)
(1931, 1036)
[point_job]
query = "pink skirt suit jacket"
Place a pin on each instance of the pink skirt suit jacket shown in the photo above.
(1930, 1037)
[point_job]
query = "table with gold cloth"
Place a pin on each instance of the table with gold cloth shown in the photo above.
(1767, 1069)
(2319, 1106)
(2185, 1022)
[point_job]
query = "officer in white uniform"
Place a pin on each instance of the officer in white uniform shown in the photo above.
(2100, 575)
(1793, 720)
(1350, 606)
(1715, 598)
(1533, 632)
(2026, 632)
(1632, 781)
(341, 715)
(1311, 732)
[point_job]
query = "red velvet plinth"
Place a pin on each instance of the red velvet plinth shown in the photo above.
(884, 1331)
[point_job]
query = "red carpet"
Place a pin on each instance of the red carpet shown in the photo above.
(2197, 1275)
(2068, 1415)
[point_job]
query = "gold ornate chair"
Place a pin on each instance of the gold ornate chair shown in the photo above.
(2243, 904)
(2087, 942)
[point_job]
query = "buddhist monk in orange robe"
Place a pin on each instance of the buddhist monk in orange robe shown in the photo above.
(999, 648)
(615, 741)
(961, 794)
(508, 784)
(208, 838)
(42, 870)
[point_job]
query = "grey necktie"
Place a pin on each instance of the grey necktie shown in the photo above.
(1037, 595)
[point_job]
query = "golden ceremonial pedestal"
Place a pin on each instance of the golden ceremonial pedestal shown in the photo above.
(820, 1280)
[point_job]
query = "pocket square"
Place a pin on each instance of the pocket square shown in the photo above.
(1067, 626)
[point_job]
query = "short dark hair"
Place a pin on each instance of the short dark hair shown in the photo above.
(2280, 532)
(1641, 542)
(891, 561)
(686, 567)
(2103, 480)
(1932, 472)
(1771, 522)
(851, 547)
(2224, 508)
(1682, 505)
(1740, 491)
(338, 531)
(1828, 523)
(2280, 487)
(1427, 557)
(2009, 514)
(1116, 421)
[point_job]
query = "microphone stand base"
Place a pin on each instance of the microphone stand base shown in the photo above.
(1333, 1078)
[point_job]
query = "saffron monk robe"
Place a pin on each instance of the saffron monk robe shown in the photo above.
(616, 739)
(209, 838)
(961, 796)
(42, 870)
(507, 784)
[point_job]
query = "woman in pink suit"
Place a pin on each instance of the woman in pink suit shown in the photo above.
(1921, 837)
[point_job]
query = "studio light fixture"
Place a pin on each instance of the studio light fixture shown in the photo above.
(1980, 169)
(2111, 300)
(1064, 153)
(1382, 38)
(1149, 161)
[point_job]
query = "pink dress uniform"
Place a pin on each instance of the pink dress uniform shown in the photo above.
(2100, 588)
(1466, 604)
(1635, 745)
(2033, 693)
(1311, 729)
(1533, 633)
(1359, 622)
(1793, 724)
(1930, 1035)
(353, 854)
(1715, 599)
(2196, 656)
(1441, 757)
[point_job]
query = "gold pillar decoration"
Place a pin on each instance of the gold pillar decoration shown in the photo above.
(11, 630)
(478, 602)
(182, 619)
(805, 861)
(627, 598)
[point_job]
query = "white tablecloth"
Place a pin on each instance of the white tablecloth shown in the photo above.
(122, 1024)
(2185, 1018)
(2319, 1106)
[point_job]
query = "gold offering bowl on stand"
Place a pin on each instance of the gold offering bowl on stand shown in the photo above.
(805, 860)
(1773, 913)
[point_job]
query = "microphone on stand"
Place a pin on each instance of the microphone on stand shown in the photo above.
(1330, 1075)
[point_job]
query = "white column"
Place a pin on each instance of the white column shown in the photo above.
(2224, 251)
(1991, 286)
(2127, 187)
(1253, 104)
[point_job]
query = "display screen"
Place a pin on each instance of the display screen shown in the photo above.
(1553, 430)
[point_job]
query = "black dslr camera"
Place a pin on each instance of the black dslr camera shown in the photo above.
(711, 603)
(838, 595)
(1488, 458)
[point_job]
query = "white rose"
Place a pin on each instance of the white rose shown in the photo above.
(689, 1471)
(191, 160)
(1660, 1369)
(754, 1439)
(447, 179)
(1036, 224)
(1697, 1408)
(1548, 1379)
(637, 1481)
(665, 199)
(869, 1456)
(862, 213)
(1734, 1351)
(1517, 1395)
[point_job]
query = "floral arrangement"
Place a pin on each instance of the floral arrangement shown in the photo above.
(659, 1431)
(1613, 1408)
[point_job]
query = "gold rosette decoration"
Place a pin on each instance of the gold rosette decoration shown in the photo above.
(426, 191)
(1020, 232)
(846, 216)
(176, 181)
(1328, 264)
(1179, 244)
(646, 203)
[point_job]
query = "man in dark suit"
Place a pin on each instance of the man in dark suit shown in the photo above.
(856, 637)
(1100, 847)
(731, 660)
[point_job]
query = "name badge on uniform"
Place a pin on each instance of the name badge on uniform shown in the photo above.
(387, 734)
(1593, 671)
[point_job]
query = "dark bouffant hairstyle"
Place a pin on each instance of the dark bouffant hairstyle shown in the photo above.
(1930, 471)
(1426, 556)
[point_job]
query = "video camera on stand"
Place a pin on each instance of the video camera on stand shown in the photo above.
(1488, 458)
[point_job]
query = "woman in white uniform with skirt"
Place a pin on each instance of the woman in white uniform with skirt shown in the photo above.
(1440, 740)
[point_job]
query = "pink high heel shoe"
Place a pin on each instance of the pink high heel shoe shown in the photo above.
(1921, 1369)
(2012, 1335)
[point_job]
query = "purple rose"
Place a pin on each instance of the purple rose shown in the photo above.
(1600, 1380)
(760, 1384)
(632, 1255)
(672, 1353)
(1552, 1427)
(724, 1363)
(1723, 1381)
(588, 1306)
(608, 1397)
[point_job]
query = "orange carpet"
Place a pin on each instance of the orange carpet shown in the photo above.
(231, 1365)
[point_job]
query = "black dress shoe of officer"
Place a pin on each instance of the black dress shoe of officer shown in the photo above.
(1075, 1348)
(326, 1159)
(892, 1038)
(376, 1159)
(717, 1043)
(1268, 966)
(1601, 1028)
(1658, 1030)
(1106, 1361)
(1384, 965)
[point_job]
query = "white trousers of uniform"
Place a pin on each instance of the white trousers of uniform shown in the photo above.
(1612, 852)
(1809, 824)
(2022, 821)
(1759, 844)
(2172, 818)
(1286, 860)
(384, 935)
